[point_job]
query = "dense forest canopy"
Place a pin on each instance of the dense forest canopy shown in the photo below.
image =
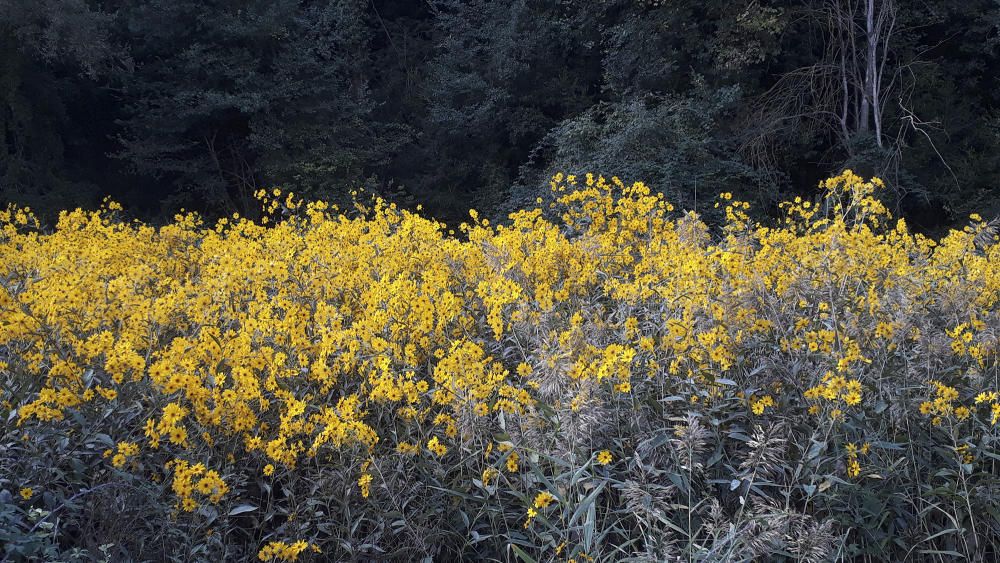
(456, 103)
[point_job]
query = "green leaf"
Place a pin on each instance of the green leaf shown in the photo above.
(242, 509)
(521, 554)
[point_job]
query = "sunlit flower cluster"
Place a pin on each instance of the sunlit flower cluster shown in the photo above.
(281, 551)
(316, 337)
(192, 482)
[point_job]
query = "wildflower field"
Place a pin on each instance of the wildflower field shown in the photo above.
(600, 379)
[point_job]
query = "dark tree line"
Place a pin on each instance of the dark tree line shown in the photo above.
(459, 103)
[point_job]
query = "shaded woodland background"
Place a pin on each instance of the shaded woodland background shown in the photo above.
(165, 104)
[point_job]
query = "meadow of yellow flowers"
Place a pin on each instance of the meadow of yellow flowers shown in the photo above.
(600, 378)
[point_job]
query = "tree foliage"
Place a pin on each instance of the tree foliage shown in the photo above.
(470, 102)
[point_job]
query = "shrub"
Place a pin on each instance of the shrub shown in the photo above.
(618, 381)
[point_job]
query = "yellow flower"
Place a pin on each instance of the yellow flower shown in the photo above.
(852, 398)
(531, 516)
(758, 404)
(407, 448)
(512, 462)
(488, 475)
(205, 486)
(436, 447)
(26, 493)
(544, 499)
(281, 551)
(364, 482)
(314, 340)
(604, 457)
(986, 397)
(853, 468)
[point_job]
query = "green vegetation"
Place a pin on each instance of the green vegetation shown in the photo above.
(458, 103)
(616, 382)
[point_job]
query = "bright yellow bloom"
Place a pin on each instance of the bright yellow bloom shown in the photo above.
(986, 397)
(604, 457)
(531, 516)
(436, 447)
(758, 404)
(281, 551)
(544, 499)
(852, 398)
(512, 462)
(375, 333)
(364, 482)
